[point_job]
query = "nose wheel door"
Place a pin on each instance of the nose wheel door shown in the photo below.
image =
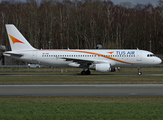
(139, 55)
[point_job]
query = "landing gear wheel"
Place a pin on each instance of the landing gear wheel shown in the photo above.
(83, 73)
(139, 73)
(88, 72)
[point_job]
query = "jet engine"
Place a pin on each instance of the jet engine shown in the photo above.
(103, 67)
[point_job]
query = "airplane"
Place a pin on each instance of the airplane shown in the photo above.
(100, 60)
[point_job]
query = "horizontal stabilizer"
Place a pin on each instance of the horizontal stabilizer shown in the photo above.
(13, 54)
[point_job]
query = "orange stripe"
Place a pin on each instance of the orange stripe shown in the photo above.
(103, 56)
(93, 54)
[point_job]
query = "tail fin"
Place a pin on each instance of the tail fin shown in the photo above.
(16, 39)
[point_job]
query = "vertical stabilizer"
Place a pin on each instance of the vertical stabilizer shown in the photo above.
(16, 39)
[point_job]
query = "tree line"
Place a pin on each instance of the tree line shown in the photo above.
(83, 24)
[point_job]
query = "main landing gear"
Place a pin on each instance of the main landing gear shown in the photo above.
(87, 72)
(139, 71)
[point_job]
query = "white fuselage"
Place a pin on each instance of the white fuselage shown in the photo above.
(114, 57)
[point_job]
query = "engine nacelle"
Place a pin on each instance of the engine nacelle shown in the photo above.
(103, 67)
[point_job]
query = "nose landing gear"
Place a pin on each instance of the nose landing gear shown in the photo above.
(139, 71)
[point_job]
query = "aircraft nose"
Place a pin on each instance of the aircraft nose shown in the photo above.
(159, 61)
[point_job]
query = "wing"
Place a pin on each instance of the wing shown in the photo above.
(76, 62)
(79, 61)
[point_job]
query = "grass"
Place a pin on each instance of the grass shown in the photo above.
(122, 77)
(79, 79)
(81, 108)
(15, 70)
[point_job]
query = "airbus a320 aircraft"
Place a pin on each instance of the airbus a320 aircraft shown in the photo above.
(103, 60)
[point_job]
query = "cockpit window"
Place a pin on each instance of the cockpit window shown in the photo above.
(150, 55)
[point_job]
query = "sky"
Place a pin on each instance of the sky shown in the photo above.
(153, 2)
(134, 2)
